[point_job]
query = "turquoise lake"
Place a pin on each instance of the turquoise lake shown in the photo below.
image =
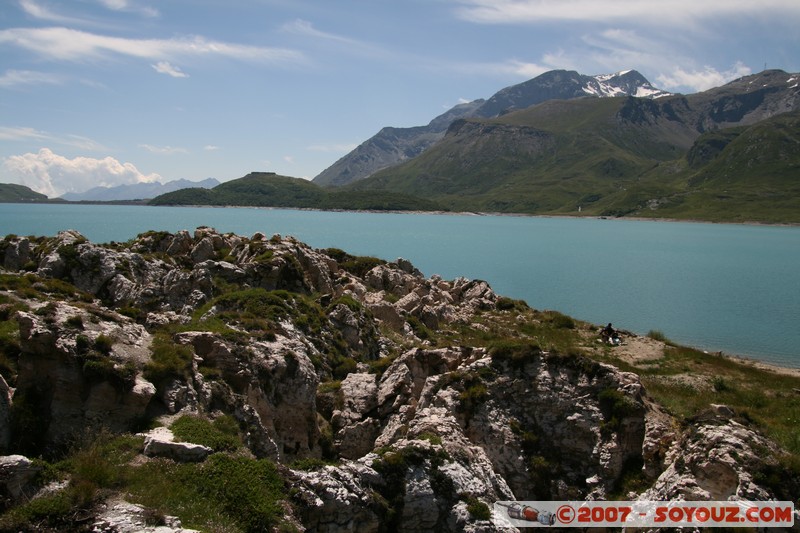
(719, 287)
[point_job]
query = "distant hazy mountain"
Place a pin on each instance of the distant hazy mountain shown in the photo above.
(392, 146)
(137, 191)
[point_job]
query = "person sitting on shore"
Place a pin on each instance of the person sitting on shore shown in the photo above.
(610, 335)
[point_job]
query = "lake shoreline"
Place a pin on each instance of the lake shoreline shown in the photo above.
(142, 203)
(560, 264)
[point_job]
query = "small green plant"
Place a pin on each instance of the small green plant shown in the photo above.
(719, 384)
(478, 509)
(657, 335)
(75, 321)
(433, 438)
(82, 344)
(103, 344)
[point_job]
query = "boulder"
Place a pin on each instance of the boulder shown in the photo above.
(160, 442)
(17, 476)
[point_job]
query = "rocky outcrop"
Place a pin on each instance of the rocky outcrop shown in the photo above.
(119, 516)
(415, 402)
(270, 386)
(716, 460)
(80, 370)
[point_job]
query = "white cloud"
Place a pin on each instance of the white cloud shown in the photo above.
(26, 134)
(54, 175)
(664, 13)
(75, 45)
(303, 27)
(80, 142)
(510, 67)
(701, 80)
(126, 5)
(165, 67)
(163, 150)
(40, 12)
(210, 148)
(13, 78)
(21, 134)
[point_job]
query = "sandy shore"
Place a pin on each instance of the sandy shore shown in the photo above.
(639, 351)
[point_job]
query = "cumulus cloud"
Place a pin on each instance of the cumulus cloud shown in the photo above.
(666, 14)
(52, 174)
(701, 80)
(210, 148)
(164, 67)
(66, 44)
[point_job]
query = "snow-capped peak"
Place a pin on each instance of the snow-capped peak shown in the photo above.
(625, 82)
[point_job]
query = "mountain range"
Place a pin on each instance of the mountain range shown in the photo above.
(391, 146)
(136, 191)
(730, 153)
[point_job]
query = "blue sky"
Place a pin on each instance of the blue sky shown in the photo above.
(106, 92)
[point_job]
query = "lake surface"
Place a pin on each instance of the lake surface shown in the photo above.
(719, 287)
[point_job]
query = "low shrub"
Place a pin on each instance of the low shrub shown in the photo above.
(169, 360)
(220, 435)
(657, 335)
(103, 344)
(514, 353)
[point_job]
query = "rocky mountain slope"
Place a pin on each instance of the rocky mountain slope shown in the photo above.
(392, 146)
(313, 390)
(622, 156)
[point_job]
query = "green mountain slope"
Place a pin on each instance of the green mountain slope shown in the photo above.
(728, 154)
(552, 158)
(266, 189)
(738, 174)
(11, 192)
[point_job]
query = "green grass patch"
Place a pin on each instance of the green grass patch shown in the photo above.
(686, 381)
(221, 434)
